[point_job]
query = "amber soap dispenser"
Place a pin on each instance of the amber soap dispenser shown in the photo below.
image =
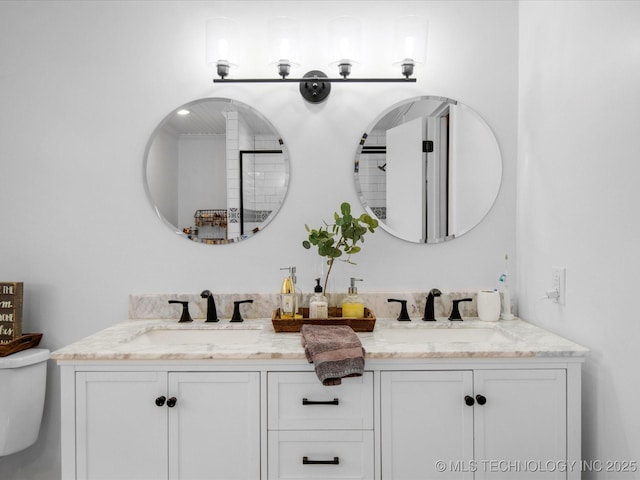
(289, 295)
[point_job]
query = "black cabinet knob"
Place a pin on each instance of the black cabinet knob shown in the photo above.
(172, 402)
(468, 399)
(481, 399)
(160, 400)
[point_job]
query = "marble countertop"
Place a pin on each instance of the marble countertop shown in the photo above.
(131, 340)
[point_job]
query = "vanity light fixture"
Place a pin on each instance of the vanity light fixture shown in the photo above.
(409, 43)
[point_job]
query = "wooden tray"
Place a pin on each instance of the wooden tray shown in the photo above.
(291, 325)
(27, 340)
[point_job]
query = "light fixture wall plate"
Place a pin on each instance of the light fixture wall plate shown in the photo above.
(314, 89)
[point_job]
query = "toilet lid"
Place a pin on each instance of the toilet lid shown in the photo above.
(24, 358)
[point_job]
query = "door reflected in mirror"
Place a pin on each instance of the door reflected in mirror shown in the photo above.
(216, 171)
(429, 169)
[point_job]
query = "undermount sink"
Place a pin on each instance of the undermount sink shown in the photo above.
(203, 336)
(443, 335)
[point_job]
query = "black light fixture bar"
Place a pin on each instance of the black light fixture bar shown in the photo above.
(315, 86)
(307, 79)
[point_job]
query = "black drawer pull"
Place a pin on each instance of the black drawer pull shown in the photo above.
(335, 401)
(306, 461)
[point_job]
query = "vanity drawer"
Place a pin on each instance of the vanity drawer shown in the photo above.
(328, 455)
(299, 401)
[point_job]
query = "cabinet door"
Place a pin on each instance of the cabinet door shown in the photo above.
(521, 430)
(214, 427)
(120, 431)
(425, 420)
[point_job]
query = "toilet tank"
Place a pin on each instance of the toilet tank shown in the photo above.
(23, 377)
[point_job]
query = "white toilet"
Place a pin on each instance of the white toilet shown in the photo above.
(23, 378)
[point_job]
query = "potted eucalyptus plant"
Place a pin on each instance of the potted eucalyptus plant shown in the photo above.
(340, 239)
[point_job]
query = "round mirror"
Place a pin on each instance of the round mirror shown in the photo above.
(429, 169)
(216, 171)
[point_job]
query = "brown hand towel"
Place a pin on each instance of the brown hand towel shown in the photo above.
(335, 350)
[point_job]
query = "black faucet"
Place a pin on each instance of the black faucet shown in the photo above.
(236, 310)
(212, 314)
(429, 315)
(185, 311)
(404, 315)
(455, 312)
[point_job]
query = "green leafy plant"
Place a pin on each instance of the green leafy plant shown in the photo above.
(340, 238)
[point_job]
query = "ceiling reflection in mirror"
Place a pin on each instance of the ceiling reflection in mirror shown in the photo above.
(429, 169)
(216, 171)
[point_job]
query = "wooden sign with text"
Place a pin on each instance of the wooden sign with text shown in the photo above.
(10, 311)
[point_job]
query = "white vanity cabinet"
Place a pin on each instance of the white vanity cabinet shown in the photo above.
(402, 420)
(257, 411)
(474, 424)
(166, 425)
(318, 431)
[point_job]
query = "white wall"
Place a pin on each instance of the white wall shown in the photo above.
(84, 84)
(578, 198)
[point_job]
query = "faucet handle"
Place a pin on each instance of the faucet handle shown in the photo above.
(404, 315)
(185, 311)
(236, 310)
(455, 312)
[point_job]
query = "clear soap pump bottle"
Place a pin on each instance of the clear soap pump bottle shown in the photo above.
(318, 305)
(289, 295)
(353, 305)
